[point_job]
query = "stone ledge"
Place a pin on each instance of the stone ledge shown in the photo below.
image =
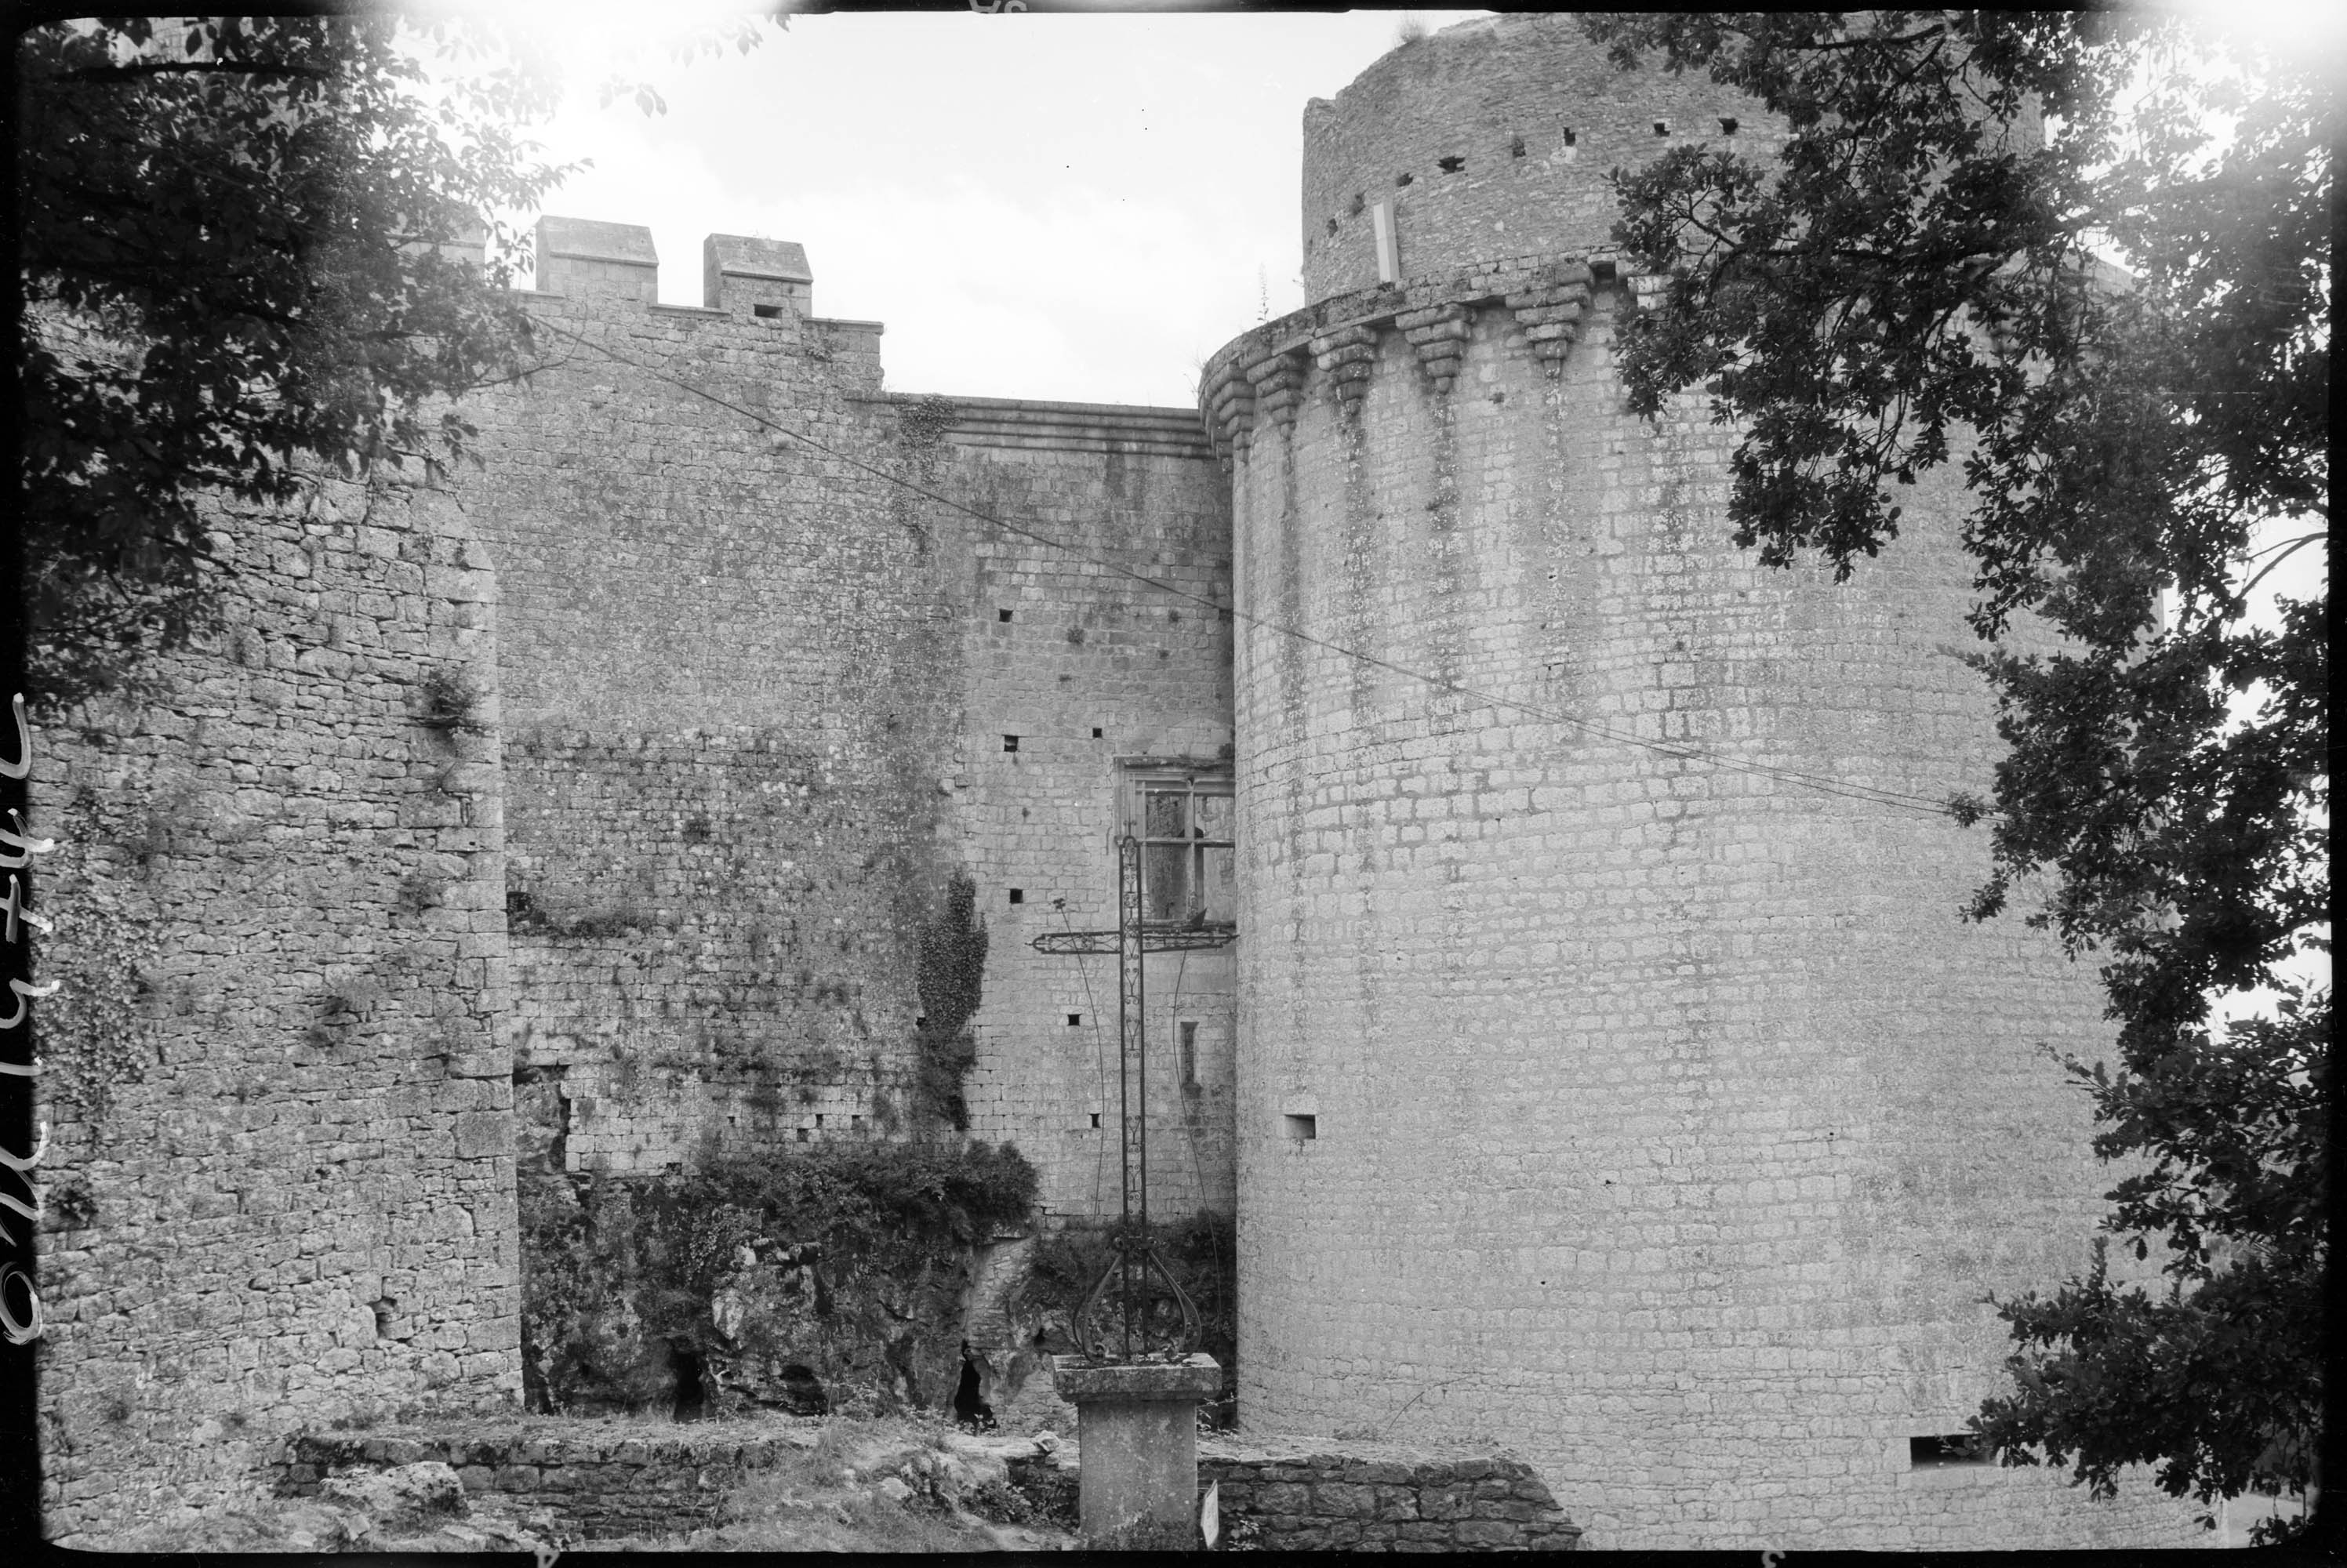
(1076, 1380)
(1015, 422)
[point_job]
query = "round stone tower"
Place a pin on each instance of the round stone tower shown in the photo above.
(1617, 1081)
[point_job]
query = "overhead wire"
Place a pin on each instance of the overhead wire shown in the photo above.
(1902, 800)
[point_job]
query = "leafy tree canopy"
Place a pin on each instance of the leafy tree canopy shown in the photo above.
(1919, 276)
(245, 245)
(237, 247)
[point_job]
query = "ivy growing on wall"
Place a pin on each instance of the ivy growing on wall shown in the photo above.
(950, 979)
(95, 1033)
(921, 426)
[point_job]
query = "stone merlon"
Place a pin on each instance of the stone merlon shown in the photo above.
(737, 269)
(581, 256)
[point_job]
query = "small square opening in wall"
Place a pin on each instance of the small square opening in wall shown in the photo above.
(1018, 895)
(1096, 732)
(804, 1135)
(1953, 1448)
(1002, 615)
(766, 312)
(1727, 125)
(1303, 1129)
(1096, 1120)
(1010, 743)
(1662, 128)
(1075, 1020)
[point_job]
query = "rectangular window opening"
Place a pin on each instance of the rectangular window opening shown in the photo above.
(1095, 1118)
(1953, 1448)
(1002, 615)
(1096, 732)
(766, 312)
(1075, 1019)
(1010, 743)
(1187, 830)
(1303, 1129)
(804, 1135)
(1018, 895)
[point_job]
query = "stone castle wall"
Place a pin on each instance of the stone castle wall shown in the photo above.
(1295, 1494)
(1651, 1113)
(1090, 670)
(757, 700)
(658, 887)
(1493, 138)
(280, 1178)
(724, 665)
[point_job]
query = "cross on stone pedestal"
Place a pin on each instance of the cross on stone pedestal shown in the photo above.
(1135, 1254)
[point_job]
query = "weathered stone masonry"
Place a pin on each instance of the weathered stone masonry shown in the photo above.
(1666, 1125)
(736, 710)
(1651, 1115)
(1304, 1496)
(298, 1203)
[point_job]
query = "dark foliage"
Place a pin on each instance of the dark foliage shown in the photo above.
(950, 979)
(234, 237)
(873, 1211)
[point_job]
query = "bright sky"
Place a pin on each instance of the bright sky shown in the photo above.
(1070, 207)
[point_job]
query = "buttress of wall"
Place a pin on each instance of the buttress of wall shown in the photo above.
(1082, 669)
(280, 1188)
(726, 668)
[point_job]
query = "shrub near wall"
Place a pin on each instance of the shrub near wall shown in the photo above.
(838, 1271)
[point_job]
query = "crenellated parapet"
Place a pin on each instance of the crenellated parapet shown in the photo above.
(740, 275)
(1330, 347)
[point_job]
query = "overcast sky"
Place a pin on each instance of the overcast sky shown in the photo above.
(1069, 207)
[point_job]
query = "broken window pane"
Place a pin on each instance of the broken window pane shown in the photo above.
(1165, 881)
(1220, 886)
(1167, 815)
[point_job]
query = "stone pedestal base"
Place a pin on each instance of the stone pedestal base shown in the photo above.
(1137, 1430)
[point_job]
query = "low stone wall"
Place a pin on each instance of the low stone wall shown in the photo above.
(1309, 1494)
(594, 1480)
